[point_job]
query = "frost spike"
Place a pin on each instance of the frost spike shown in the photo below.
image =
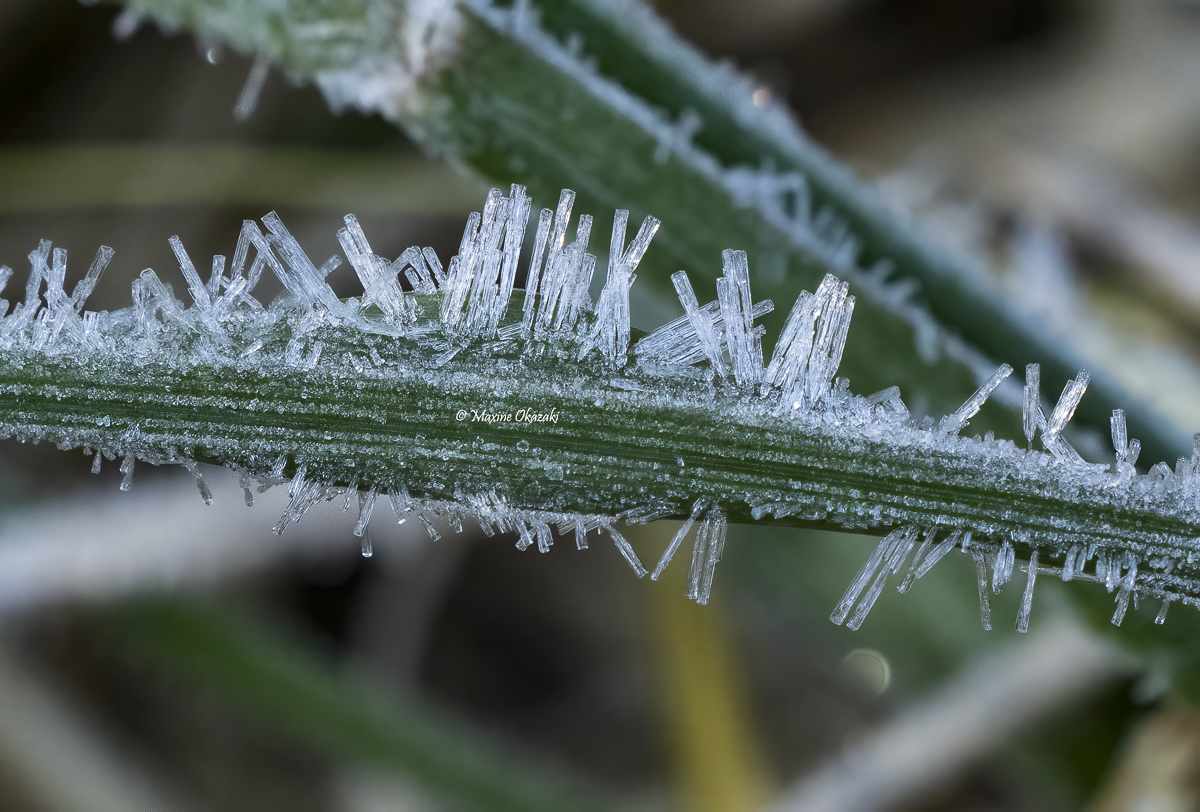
(37, 272)
(56, 295)
(1032, 417)
(952, 424)
(716, 546)
(881, 552)
(795, 342)
(1119, 436)
(83, 289)
(378, 278)
(700, 320)
(195, 285)
(216, 277)
(514, 238)
(1130, 580)
(616, 249)
(641, 241)
(1027, 596)
(545, 539)
(244, 482)
(699, 555)
(895, 559)
(610, 332)
(201, 485)
(533, 274)
(865, 573)
(1065, 408)
(627, 552)
(127, 472)
(733, 293)
(832, 328)
(1122, 605)
(241, 251)
(669, 553)
(981, 582)
(435, 266)
(366, 505)
(1002, 566)
(562, 216)
(434, 533)
(948, 544)
(913, 568)
(302, 283)
(1071, 562)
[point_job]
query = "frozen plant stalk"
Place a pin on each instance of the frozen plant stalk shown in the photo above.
(531, 412)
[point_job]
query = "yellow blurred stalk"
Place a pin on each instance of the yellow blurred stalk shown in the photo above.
(716, 756)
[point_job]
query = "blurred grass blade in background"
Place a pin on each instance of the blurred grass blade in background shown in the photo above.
(65, 177)
(288, 685)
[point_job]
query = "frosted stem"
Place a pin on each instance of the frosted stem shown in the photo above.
(438, 400)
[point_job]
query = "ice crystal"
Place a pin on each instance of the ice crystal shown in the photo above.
(440, 390)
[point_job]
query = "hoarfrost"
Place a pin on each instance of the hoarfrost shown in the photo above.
(331, 427)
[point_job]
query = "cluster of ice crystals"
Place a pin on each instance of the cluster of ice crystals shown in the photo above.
(481, 277)
(781, 198)
(416, 323)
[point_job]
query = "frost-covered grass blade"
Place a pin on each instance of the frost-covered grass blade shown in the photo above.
(534, 413)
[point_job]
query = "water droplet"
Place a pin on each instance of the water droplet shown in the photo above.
(523, 445)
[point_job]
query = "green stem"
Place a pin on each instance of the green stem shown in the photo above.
(614, 442)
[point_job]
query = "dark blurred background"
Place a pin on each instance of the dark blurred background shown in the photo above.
(1057, 139)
